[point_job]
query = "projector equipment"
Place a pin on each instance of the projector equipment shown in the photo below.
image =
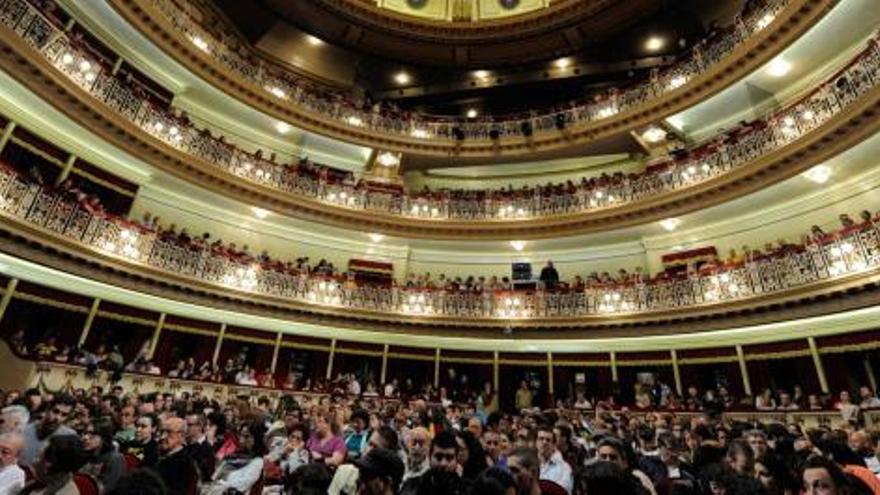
(526, 128)
(560, 121)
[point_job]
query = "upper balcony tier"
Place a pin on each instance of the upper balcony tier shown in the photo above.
(215, 54)
(75, 79)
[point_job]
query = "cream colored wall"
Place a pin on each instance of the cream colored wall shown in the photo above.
(444, 10)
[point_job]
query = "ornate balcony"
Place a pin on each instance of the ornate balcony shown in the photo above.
(836, 115)
(753, 40)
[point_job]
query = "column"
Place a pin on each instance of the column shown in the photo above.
(219, 343)
(7, 133)
(495, 371)
(613, 366)
(89, 320)
(817, 360)
(384, 367)
(7, 296)
(65, 172)
(156, 333)
(275, 352)
(675, 372)
(329, 373)
(550, 387)
(437, 368)
(869, 368)
(743, 370)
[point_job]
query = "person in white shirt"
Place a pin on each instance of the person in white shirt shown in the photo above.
(12, 477)
(553, 466)
(869, 398)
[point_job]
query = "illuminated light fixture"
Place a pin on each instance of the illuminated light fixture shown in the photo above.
(259, 212)
(419, 133)
(778, 67)
(808, 115)
(677, 82)
(518, 245)
(90, 76)
(200, 43)
(67, 58)
(606, 112)
(85, 65)
(278, 92)
(563, 63)
(159, 126)
(283, 127)
(388, 159)
(472, 113)
(670, 224)
(654, 43)
(765, 21)
(481, 74)
(818, 174)
(376, 237)
(314, 40)
(789, 121)
(402, 78)
(354, 120)
(654, 134)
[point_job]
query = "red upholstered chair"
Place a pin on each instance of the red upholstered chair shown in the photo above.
(86, 484)
(29, 474)
(550, 488)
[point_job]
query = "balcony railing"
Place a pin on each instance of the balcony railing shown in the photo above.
(710, 160)
(848, 251)
(217, 40)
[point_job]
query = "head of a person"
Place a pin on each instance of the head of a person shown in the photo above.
(383, 437)
(215, 424)
(492, 444)
(57, 414)
(822, 476)
(758, 442)
(11, 444)
(311, 479)
(545, 441)
(360, 419)
(380, 472)
(475, 426)
(417, 444)
(860, 441)
(325, 424)
(140, 482)
(98, 436)
(610, 449)
(63, 454)
(444, 452)
(145, 427)
(172, 435)
(602, 477)
(195, 427)
(523, 465)
(740, 457)
(494, 481)
(127, 416)
(252, 437)
(14, 418)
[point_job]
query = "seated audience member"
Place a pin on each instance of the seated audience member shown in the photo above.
(606, 477)
(144, 447)
(12, 477)
(326, 444)
(62, 456)
(868, 398)
(197, 446)
(14, 418)
(523, 465)
(380, 472)
(103, 462)
(358, 435)
(38, 433)
(177, 468)
(822, 476)
(553, 466)
(417, 446)
(241, 470)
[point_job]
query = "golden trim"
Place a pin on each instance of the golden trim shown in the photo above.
(49, 302)
(358, 352)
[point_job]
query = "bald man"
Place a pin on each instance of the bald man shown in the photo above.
(11, 476)
(177, 468)
(417, 445)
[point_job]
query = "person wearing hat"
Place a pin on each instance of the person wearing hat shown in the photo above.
(381, 471)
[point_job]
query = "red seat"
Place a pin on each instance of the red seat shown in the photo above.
(86, 484)
(551, 488)
(29, 474)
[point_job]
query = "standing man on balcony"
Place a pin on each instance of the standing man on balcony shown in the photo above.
(549, 276)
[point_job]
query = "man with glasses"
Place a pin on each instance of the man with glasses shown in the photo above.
(12, 477)
(553, 466)
(417, 453)
(144, 446)
(175, 467)
(37, 434)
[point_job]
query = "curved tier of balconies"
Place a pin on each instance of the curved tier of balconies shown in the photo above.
(275, 90)
(837, 115)
(845, 260)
